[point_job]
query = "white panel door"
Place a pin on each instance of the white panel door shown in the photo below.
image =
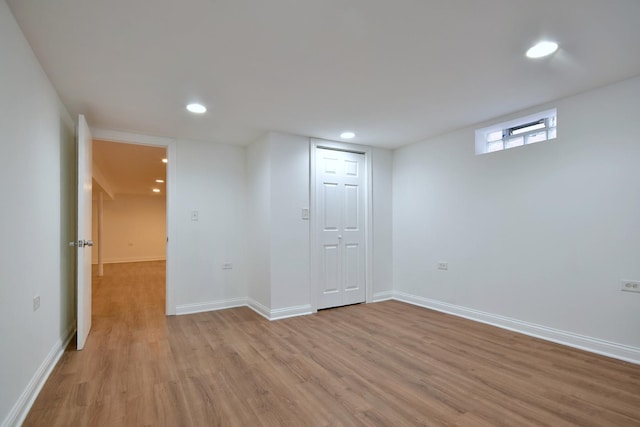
(83, 241)
(340, 193)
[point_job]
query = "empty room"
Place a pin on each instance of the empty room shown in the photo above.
(359, 213)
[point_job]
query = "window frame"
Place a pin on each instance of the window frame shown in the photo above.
(509, 131)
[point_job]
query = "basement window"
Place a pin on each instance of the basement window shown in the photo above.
(516, 133)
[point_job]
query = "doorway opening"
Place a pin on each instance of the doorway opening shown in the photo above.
(129, 227)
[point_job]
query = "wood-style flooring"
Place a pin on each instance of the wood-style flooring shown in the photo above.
(384, 364)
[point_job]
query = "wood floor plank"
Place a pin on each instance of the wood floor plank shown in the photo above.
(384, 364)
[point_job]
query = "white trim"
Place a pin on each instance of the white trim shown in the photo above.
(279, 313)
(283, 313)
(382, 296)
(170, 295)
(582, 342)
(140, 139)
(21, 409)
(313, 225)
(130, 137)
(259, 308)
(201, 307)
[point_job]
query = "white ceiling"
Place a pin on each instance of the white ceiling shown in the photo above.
(394, 72)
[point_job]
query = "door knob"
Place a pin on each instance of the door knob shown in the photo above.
(81, 243)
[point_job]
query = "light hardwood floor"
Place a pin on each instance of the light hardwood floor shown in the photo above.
(384, 364)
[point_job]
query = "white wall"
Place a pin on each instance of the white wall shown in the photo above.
(258, 223)
(209, 178)
(36, 222)
(289, 232)
(382, 161)
(135, 228)
(540, 234)
(278, 189)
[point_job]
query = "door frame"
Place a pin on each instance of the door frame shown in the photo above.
(314, 253)
(170, 144)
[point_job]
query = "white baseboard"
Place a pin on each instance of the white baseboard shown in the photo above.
(22, 407)
(283, 313)
(582, 342)
(259, 308)
(382, 296)
(201, 307)
(280, 313)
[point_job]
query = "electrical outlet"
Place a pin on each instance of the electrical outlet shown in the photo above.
(227, 266)
(36, 302)
(630, 286)
(443, 266)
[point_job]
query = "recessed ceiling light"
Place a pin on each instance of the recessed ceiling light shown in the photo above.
(347, 135)
(165, 161)
(197, 108)
(156, 190)
(159, 181)
(542, 49)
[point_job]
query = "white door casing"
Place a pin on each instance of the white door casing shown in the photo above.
(83, 242)
(340, 224)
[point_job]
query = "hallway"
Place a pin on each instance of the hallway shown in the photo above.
(124, 354)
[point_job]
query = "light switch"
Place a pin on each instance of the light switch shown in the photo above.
(305, 213)
(194, 215)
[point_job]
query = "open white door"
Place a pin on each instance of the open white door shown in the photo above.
(83, 241)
